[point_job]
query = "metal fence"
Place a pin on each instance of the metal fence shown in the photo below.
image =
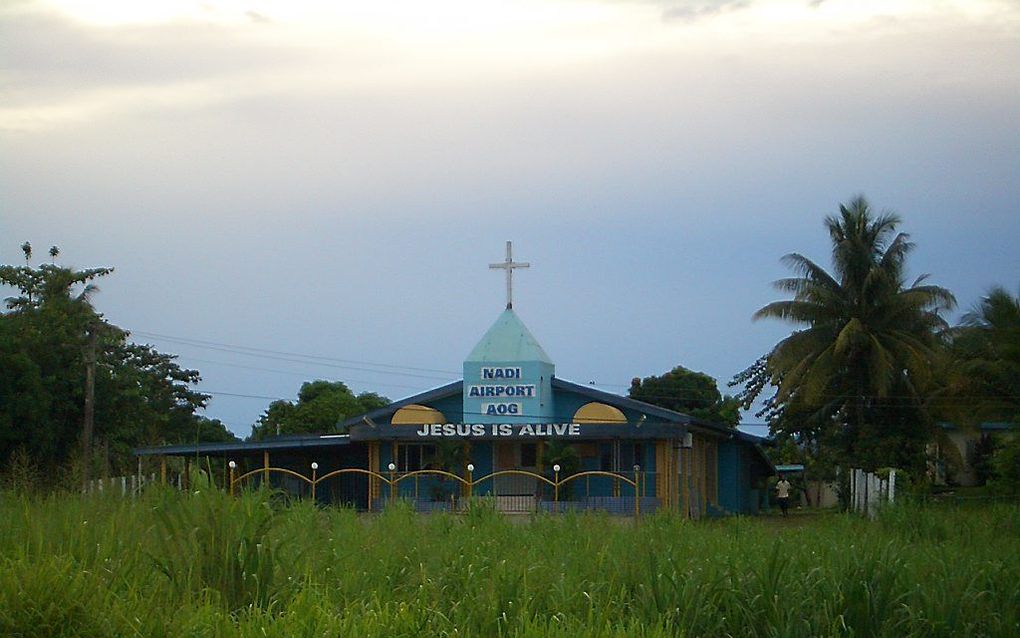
(510, 491)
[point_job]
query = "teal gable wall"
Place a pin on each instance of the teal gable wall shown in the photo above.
(509, 345)
(737, 491)
(452, 408)
(539, 408)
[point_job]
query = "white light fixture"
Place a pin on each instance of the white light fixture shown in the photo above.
(556, 468)
(471, 467)
(315, 465)
(392, 466)
(637, 468)
(232, 465)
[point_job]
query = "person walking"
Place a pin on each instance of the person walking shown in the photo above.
(783, 494)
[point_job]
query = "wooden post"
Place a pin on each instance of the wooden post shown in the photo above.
(187, 474)
(637, 493)
(373, 466)
(314, 469)
(90, 396)
(685, 480)
(162, 470)
(265, 464)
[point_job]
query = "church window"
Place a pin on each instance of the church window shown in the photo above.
(529, 455)
(412, 457)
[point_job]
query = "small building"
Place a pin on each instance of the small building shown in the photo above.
(960, 455)
(514, 431)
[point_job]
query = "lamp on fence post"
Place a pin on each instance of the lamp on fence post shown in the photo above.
(470, 482)
(233, 466)
(556, 483)
(637, 490)
(315, 466)
(393, 485)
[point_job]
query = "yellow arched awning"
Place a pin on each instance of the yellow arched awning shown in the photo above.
(596, 412)
(415, 414)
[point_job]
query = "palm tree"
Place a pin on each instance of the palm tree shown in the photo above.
(865, 331)
(986, 356)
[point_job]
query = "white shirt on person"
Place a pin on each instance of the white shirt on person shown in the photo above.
(783, 489)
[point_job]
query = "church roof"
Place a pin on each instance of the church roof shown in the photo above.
(508, 340)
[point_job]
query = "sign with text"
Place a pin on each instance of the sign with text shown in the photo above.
(502, 409)
(499, 430)
(489, 373)
(500, 391)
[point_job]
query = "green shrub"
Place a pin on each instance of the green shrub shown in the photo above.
(1005, 465)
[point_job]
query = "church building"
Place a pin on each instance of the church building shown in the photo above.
(513, 431)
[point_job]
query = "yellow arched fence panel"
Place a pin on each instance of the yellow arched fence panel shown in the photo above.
(393, 479)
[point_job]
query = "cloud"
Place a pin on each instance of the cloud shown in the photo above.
(255, 16)
(697, 10)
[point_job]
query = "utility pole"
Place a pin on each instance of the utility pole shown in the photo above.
(90, 407)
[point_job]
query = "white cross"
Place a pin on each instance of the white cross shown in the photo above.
(509, 266)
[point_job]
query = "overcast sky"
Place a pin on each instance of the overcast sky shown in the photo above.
(333, 178)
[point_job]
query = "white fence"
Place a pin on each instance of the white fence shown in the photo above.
(123, 485)
(868, 491)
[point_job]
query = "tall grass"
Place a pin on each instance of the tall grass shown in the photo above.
(210, 565)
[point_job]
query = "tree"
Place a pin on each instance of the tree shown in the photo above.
(141, 396)
(321, 405)
(856, 374)
(693, 393)
(985, 362)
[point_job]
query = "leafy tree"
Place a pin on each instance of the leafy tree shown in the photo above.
(690, 392)
(321, 405)
(985, 357)
(855, 376)
(141, 396)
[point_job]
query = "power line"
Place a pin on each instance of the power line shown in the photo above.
(302, 360)
(292, 357)
(244, 396)
(299, 374)
(199, 343)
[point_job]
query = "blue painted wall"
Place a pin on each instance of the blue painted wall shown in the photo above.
(539, 408)
(737, 490)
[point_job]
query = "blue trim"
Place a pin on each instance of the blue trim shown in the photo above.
(217, 449)
(442, 392)
(792, 467)
(985, 426)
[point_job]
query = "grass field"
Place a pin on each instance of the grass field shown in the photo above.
(210, 565)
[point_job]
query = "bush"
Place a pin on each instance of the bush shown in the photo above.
(1005, 465)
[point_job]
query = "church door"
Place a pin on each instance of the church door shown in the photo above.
(515, 492)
